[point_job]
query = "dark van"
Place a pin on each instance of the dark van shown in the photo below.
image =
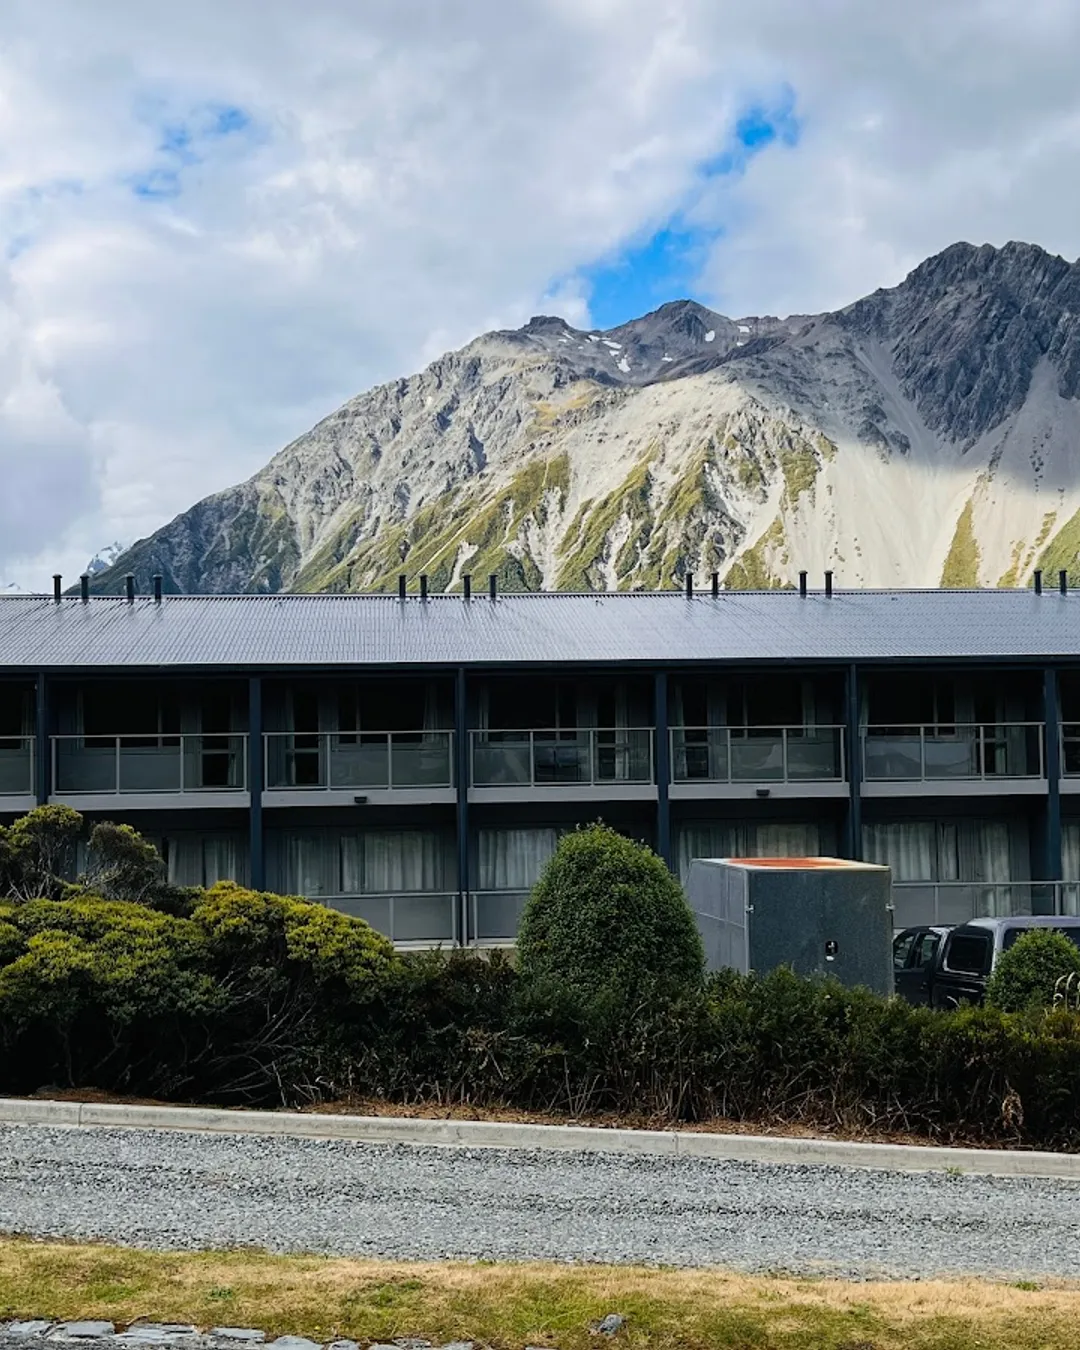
(968, 954)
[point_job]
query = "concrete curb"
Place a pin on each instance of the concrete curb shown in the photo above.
(579, 1138)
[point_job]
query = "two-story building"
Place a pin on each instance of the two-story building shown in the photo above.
(414, 759)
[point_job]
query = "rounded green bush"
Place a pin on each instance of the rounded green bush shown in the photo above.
(1034, 971)
(607, 920)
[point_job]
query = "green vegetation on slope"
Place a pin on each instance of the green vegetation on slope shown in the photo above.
(583, 547)
(962, 563)
(800, 468)
(750, 571)
(439, 530)
(1019, 561)
(1063, 552)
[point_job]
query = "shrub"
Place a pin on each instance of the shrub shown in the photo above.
(38, 852)
(1033, 971)
(249, 999)
(608, 925)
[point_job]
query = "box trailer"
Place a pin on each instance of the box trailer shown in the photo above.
(821, 916)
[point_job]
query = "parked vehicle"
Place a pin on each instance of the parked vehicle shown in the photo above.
(915, 957)
(947, 967)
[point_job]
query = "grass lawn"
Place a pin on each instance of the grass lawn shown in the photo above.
(511, 1306)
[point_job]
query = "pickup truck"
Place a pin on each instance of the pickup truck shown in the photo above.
(943, 967)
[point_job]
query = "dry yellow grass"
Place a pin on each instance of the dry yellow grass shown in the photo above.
(511, 1306)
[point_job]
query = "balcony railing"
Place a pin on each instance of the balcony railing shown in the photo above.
(413, 918)
(592, 756)
(494, 916)
(16, 766)
(957, 752)
(946, 902)
(757, 754)
(336, 760)
(149, 764)
(1070, 749)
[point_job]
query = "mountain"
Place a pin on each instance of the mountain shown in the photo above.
(925, 435)
(108, 557)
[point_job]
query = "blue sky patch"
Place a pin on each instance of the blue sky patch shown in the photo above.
(666, 263)
(186, 141)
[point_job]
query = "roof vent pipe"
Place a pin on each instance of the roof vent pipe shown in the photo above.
(828, 585)
(493, 585)
(1063, 582)
(466, 583)
(157, 588)
(401, 586)
(129, 583)
(84, 587)
(689, 585)
(802, 584)
(1038, 581)
(57, 586)
(423, 585)
(715, 585)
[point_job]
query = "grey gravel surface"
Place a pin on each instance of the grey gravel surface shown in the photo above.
(164, 1189)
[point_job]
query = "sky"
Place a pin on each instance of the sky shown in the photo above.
(219, 220)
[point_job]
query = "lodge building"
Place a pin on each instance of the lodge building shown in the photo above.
(413, 759)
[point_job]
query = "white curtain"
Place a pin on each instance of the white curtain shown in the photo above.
(792, 839)
(983, 850)
(784, 841)
(512, 860)
(380, 862)
(923, 850)
(1070, 850)
(703, 841)
(907, 847)
(312, 862)
(203, 860)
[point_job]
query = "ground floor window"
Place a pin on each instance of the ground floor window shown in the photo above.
(364, 862)
(204, 860)
(752, 839)
(924, 850)
(512, 860)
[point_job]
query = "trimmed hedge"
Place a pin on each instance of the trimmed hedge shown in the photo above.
(232, 995)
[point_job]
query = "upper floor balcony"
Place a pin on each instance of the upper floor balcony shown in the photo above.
(303, 768)
(955, 758)
(601, 763)
(187, 770)
(17, 785)
(738, 761)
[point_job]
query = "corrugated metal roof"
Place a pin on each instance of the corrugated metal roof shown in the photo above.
(339, 630)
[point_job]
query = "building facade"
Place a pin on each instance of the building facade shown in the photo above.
(414, 760)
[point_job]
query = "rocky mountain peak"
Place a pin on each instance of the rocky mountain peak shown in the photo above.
(925, 433)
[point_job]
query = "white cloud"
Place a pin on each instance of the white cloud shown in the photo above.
(409, 174)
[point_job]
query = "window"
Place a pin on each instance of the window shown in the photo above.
(144, 716)
(926, 950)
(1012, 935)
(901, 950)
(897, 702)
(969, 953)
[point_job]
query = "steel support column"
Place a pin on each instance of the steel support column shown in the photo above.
(1051, 861)
(853, 759)
(42, 743)
(461, 780)
(662, 762)
(255, 777)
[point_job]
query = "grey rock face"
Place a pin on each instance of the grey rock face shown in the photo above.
(682, 441)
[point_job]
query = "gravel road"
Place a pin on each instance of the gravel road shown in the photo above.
(164, 1189)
